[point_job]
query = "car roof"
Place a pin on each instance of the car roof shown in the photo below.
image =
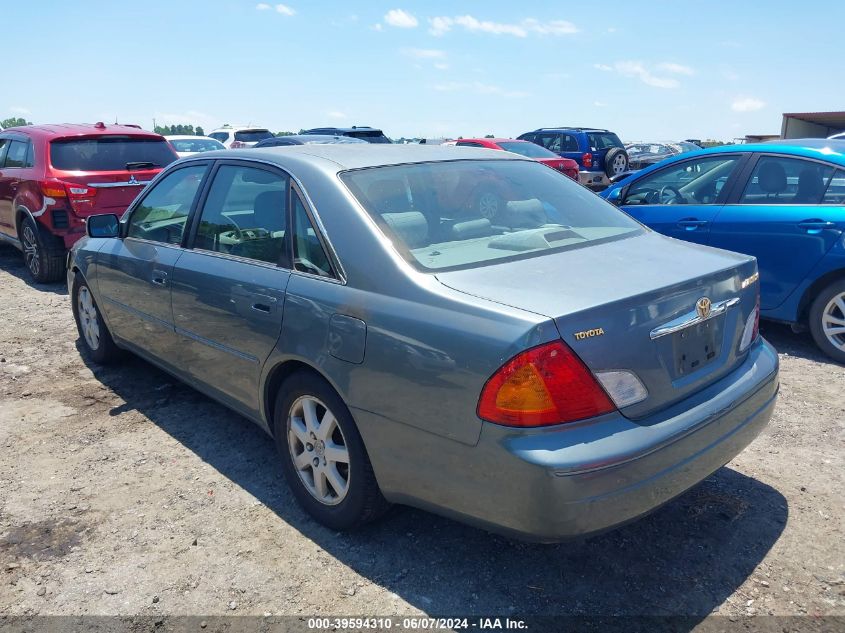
(358, 128)
(808, 148)
(571, 129)
(361, 155)
(58, 130)
(187, 137)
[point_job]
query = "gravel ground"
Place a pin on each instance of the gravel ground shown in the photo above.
(125, 492)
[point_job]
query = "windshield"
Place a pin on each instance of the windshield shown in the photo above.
(372, 136)
(252, 136)
(524, 148)
(196, 144)
(465, 213)
(109, 153)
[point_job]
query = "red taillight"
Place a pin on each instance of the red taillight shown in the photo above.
(53, 188)
(544, 385)
(587, 160)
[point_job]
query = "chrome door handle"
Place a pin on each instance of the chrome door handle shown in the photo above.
(261, 307)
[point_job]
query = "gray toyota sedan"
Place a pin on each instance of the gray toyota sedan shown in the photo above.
(544, 366)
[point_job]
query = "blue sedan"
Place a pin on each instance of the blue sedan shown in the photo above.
(782, 202)
(553, 371)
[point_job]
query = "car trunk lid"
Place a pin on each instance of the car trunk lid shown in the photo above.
(619, 306)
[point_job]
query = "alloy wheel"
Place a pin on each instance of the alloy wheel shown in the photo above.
(620, 164)
(318, 450)
(30, 250)
(833, 321)
(488, 205)
(88, 320)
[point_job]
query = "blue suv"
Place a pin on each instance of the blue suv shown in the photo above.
(599, 153)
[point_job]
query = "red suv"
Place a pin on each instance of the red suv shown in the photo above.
(52, 177)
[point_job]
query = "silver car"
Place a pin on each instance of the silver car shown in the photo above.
(548, 372)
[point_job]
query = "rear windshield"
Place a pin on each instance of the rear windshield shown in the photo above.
(371, 136)
(603, 140)
(524, 148)
(252, 136)
(195, 145)
(460, 214)
(109, 153)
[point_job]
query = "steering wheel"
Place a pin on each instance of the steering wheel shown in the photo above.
(677, 197)
(308, 266)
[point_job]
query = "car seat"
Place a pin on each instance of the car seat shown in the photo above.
(772, 178)
(810, 187)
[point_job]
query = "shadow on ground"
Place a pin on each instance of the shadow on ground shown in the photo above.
(11, 260)
(788, 342)
(685, 559)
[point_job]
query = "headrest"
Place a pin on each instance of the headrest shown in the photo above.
(479, 227)
(525, 213)
(410, 226)
(772, 177)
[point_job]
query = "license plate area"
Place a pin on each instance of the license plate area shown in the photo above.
(697, 346)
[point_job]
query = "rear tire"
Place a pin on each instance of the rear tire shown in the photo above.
(314, 434)
(43, 253)
(827, 321)
(93, 332)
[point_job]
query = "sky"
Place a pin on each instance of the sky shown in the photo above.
(646, 69)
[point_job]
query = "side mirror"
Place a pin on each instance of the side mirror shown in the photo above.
(106, 225)
(615, 196)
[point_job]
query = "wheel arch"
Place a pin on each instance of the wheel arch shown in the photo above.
(814, 289)
(22, 212)
(277, 375)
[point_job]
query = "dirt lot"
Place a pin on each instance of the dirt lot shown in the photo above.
(124, 492)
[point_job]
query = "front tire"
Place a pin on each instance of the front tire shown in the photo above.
(93, 332)
(323, 456)
(43, 253)
(827, 321)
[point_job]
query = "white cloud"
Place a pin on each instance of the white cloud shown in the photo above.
(279, 8)
(441, 66)
(639, 71)
(600, 104)
(747, 104)
(336, 114)
(19, 110)
(401, 19)
(424, 53)
(377, 27)
(479, 88)
(677, 69)
(440, 25)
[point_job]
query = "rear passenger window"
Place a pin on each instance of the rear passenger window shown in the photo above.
(835, 192)
(16, 155)
(782, 180)
(309, 256)
(245, 214)
(568, 143)
(161, 215)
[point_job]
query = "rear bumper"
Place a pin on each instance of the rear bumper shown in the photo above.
(573, 480)
(593, 178)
